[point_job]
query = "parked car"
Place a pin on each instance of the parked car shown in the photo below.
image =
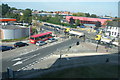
(50, 40)
(5, 48)
(20, 44)
(40, 43)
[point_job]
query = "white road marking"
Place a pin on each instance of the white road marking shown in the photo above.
(17, 63)
(16, 59)
(67, 58)
(24, 53)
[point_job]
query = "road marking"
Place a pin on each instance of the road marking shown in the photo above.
(24, 53)
(30, 57)
(67, 58)
(17, 63)
(16, 59)
(18, 69)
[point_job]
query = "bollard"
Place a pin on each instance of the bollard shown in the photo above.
(77, 43)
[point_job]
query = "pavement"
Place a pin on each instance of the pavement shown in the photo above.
(84, 49)
(47, 63)
(76, 56)
(54, 63)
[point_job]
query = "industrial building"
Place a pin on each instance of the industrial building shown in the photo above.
(87, 20)
(10, 31)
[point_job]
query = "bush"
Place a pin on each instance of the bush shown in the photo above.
(12, 40)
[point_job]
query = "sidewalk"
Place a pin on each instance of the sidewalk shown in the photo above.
(49, 61)
(84, 49)
(54, 63)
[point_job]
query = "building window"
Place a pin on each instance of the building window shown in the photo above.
(118, 34)
(112, 33)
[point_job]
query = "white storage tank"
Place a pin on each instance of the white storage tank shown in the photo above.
(14, 32)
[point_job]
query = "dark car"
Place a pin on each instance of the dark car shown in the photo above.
(20, 44)
(46, 24)
(5, 48)
(57, 27)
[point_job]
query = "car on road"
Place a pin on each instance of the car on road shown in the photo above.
(40, 43)
(57, 27)
(5, 48)
(50, 40)
(20, 44)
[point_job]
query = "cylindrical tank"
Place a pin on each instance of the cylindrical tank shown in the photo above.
(15, 33)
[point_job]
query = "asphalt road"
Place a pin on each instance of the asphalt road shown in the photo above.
(16, 63)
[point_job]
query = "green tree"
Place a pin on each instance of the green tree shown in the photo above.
(79, 14)
(93, 16)
(98, 24)
(77, 22)
(13, 8)
(72, 21)
(27, 16)
(5, 9)
(87, 14)
(0, 10)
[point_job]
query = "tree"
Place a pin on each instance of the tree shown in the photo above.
(27, 15)
(87, 14)
(72, 21)
(98, 24)
(79, 14)
(77, 22)
(93, 16)
(5, 9)
(13, 8)
(0, 10)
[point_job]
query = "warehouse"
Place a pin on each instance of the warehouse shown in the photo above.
(13, 32)
(87, 20)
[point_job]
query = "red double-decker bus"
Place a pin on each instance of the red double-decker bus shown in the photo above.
(40, 37)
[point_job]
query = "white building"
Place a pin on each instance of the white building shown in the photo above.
(112, 31)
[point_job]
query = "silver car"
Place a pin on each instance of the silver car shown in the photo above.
(40, 43)
(50, 40)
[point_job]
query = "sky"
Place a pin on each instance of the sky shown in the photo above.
(101, 7)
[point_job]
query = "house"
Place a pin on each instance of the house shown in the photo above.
(113, 29)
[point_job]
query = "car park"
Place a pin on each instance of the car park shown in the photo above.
(57, 27)
(50, 40)
(52, 26)
(46, 24)
(40, 43)
(20, 44)
(5, 48)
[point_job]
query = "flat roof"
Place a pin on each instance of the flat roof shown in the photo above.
(37, 35)
(11, 27)
(88, 19)
(7, 19)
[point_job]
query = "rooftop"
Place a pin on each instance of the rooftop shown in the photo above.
(114, 24)
(7, 19)
(11, 27)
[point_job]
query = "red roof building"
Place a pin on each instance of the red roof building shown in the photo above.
(88, 20)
